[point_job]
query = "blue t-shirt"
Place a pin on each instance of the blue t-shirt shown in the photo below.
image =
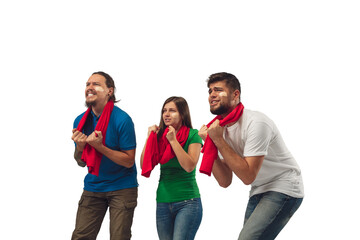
(120, 135)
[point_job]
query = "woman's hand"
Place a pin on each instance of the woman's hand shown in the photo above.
(153, 128)
(171, 135)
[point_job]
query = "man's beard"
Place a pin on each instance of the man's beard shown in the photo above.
(222, 109)
(90, 104)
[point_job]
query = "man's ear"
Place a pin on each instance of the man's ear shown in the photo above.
(111, 91)
(236, 95)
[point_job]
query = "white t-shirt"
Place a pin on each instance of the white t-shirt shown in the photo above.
(254, 134)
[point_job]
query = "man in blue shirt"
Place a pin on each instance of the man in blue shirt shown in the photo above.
(115, 187)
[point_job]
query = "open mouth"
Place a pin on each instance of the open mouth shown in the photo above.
(214, 102)
(90, 94)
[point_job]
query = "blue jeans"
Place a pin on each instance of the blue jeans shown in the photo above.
(267, 214)
(178, 220)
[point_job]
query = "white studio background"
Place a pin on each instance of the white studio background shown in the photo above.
(297, 61)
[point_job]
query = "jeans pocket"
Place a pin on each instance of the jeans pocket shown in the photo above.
(81, 200)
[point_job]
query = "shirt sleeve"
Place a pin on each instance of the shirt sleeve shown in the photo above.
(195, 138)
(258, 139)
(127, 138)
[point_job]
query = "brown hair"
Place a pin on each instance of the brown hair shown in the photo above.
(183, 109)
(231, 81)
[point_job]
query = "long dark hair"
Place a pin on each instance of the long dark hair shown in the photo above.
(183, 109)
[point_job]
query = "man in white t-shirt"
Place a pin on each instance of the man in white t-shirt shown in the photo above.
(254, 150)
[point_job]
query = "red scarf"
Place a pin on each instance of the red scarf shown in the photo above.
(90, 156)
(161, 151)
(209, 150)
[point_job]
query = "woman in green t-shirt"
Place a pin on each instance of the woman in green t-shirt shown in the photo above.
(179, 208)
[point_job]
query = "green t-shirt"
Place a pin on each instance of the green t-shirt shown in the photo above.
(175, 183)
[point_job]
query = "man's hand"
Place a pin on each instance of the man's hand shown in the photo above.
(95, 139)
(80, 139)
(215, 131)
(203, 132)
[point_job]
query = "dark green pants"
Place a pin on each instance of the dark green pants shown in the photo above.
(92, 209)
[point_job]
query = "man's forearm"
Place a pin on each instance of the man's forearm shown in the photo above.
(77, 156)
(245, 168)
(124, 158)
(237, 164)
(222, 173)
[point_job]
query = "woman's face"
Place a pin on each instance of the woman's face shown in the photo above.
(171, 115)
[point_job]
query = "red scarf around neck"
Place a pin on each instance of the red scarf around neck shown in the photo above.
(90, 156)
(161, 151)
(209, 150)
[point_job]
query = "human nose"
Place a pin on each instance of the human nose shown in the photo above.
(212, 94)
(166, 113)
(89, 87)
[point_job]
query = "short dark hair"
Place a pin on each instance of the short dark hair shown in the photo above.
(231, 81)
(183, 108)
(109, 83)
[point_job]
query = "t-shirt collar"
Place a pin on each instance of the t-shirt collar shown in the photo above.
(94, 116)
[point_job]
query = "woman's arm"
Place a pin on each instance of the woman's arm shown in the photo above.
(187, 160)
